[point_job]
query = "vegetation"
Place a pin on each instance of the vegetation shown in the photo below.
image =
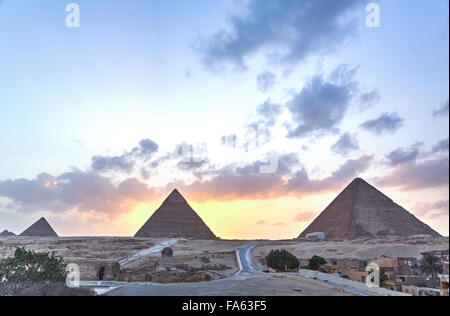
(28, 266)
(282, 260)
(40, 274)
(430, 266)
(315, 262)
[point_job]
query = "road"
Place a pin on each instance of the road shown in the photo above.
(245, 258)
(248, 281)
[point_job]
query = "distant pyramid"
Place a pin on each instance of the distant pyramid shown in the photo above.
(40, 229)
(7, 233)
(175, 219)
(363, 211)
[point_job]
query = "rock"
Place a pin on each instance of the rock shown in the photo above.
(167, 252)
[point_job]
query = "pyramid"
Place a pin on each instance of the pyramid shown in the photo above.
(40, 229)
(7, 233)
(363, 211)
(175, 219)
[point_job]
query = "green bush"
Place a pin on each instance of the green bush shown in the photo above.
(315, 262)
(30, 267)
(282, 260)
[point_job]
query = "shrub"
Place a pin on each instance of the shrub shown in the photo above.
(282, 260)
(315, 262)
(30, 267)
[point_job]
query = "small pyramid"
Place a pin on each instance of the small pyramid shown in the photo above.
(175, 219)
(40, 229)
(363, 211)
(7, 233)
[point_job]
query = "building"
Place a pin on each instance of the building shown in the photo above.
(444, 286)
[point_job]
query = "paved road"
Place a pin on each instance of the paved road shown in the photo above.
(245, 257)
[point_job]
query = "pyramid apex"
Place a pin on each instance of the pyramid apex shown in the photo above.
(175, 197)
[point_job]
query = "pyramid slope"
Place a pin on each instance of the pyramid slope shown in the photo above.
(363, 211)
(175, 219)
(7, 233)
(40, 229)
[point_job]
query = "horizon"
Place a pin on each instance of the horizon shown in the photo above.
(259, 115)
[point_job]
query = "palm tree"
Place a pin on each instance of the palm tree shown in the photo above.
(430, 266)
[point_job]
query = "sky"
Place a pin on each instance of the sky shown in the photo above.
(259, 112)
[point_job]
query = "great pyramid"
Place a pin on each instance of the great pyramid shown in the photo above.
(175, 219)
(363, 211)
(40, 229)
(7, 233)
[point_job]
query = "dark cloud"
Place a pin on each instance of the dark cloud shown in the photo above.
(400, 156)
(369, 99)
(442, 111)
(345, 144)
(85, 191)
(246, 182)
(417, 175)
(321, 105)
(117, 163)
(127, 161)
(147, 147)
(442, 146)
(265, 81)
(288, 31)
(301, 184)
(385, 124)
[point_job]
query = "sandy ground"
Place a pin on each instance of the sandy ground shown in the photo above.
(358, 249)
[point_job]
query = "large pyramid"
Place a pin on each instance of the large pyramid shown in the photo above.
(363, 211)
(175, 219)
(40, 229)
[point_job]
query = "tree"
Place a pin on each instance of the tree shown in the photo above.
(430, 266)
(282, 260)
(30, 267)
(315, 262)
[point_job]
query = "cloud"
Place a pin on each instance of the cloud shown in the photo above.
(265, 81)
(269, 112)
(442, 111)
(278, 224)
(345, 144)
(118, 163)
(417, 175)
(305, 216)
(442, 146)
(300, 184)
(432, 210)
(321, 105)
(84, 191)
(400, 156)
(385, 124)
(369, 99)
(261, 222)
(127, 161)
(287, 31)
